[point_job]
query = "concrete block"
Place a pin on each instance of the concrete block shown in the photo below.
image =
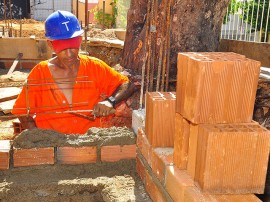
(138, 120)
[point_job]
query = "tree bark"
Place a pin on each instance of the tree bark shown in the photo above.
(157, 30)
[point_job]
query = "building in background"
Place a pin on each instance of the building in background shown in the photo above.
(41, 9)
(81, 9)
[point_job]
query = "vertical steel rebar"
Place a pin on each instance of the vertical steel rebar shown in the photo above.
(148, 42)
(262, 20)
(146, 54)
(256, 23)
(267, 21)
(168, 45)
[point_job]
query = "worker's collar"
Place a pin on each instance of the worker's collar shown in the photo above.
(60, 45)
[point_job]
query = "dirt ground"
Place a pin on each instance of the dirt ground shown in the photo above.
(89, 182)
(31, 27)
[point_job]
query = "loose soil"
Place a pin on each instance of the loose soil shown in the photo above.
(89, 182)
(40, 138)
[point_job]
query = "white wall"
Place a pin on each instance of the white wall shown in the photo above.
(41, 9)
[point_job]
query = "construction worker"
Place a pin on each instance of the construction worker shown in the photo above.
(70, 92)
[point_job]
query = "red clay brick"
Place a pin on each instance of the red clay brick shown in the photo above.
(194, 194)
(153, 190)
(144, 146)
(235, 198)
(176, 182)
(114, 153)
(76, 155)
(140, 169)
(34, 156)
(4, 154)
(161, 157)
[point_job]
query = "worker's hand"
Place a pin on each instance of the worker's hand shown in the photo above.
(103, 108)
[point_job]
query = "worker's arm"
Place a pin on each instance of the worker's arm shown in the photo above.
(124, 91)
(27, 122)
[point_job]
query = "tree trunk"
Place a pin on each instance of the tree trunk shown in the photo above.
(158, 30)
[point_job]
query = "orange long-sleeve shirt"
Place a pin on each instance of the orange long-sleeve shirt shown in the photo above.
(42, 97)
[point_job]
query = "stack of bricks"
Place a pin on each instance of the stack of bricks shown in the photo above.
(219, 153)
(84, 150)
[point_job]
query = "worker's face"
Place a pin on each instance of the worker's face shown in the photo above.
(68, 56)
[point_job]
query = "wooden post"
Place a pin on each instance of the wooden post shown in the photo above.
(103, 17)
(5, 11)
(20, 28)
(77, 8)
(86, 24)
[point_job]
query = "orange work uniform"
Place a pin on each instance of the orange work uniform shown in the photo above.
(42, 99)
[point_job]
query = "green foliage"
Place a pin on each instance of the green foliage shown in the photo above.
(252, 12)
(255, 13)
(233, 8)
(123, 6)
(106, 20)
(114, 11)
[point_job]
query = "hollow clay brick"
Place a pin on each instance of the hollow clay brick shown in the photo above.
(232, 158)
(159, 122)
(76, 155)
(161, 157)
(176, 182)
(192, 150)
(216, 87)
(4, 154)
(117, 152)
(181, 142)
(34, 156)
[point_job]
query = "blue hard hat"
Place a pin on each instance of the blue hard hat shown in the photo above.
(62, 25)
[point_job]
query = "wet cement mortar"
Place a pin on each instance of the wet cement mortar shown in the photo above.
(95, 182)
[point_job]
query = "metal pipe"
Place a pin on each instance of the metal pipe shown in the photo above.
(103, 13)
(74, 112)
(77, 9)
